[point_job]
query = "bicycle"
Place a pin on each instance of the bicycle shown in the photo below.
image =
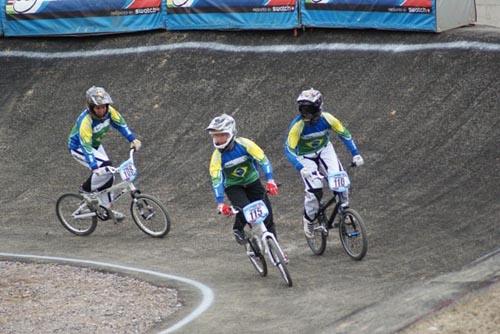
(261, 241)
(352, 231)
(80, 212)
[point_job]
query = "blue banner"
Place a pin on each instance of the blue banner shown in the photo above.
(62, 17)
(2, 15)
(232, 14)
(377, 14)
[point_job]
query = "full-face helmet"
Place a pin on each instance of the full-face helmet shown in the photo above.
(223, 124)
(310, 104)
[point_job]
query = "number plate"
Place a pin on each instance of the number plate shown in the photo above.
(128, 172)
(339, 181)
(256, 212)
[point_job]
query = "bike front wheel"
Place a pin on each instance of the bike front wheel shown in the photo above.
(353, 234)
(74, 214)
(279, 260)
(150, 215)
(318, 242)
(257, 259)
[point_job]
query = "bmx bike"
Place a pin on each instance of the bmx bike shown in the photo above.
(261, 242)
(352, 231)
(80, 212)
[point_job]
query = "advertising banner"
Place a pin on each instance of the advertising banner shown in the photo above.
(231, 14)
(378, 14)
(61, 17)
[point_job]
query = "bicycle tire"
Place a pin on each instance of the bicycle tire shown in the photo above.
(143, 219)
(318, 243)
(258, 260)
(279, 260)
(80, 227)
(352, 228)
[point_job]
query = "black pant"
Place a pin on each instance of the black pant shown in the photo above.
(241, 196)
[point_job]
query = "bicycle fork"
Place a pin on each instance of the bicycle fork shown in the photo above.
(265, 234)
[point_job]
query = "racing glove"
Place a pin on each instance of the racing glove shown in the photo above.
(225, 209)
(136, 144)
(272, 188)
(357, 160)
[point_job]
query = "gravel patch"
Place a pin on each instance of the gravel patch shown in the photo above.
(51, 298)
(478, 313)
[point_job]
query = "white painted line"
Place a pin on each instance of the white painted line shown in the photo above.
(207, 293)
(283, 48)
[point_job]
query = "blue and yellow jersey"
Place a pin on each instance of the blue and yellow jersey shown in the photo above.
(237, 166)
(310, 137)
(88, 132)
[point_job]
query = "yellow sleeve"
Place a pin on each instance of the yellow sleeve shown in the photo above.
(334, 123)
(215, 166)
(116, 116)
(294, 135)
(253, 149)
(85, 132)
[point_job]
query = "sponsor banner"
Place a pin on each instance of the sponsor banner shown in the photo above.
(232, 14)
(58, 17)
(378, 14)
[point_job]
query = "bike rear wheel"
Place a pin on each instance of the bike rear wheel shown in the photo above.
(150, 215)
(74, 214)
(258, 261)
(278, 258)
(318, 242)
(353, 234)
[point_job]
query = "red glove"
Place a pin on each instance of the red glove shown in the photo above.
(272, 188)
(225, 209)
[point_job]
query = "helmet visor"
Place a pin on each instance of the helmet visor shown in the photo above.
(309, 111)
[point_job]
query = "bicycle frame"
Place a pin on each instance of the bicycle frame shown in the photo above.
(323, 207)
(337, 182)
(255, 213)
(127, 173)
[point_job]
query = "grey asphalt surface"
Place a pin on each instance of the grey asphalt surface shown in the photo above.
(427, 124)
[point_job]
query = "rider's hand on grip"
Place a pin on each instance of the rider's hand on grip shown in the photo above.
(272, 188)
(225, 209)
(136, 144)
(357, 160)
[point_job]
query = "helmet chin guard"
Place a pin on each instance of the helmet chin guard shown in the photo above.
(222, 124)
(223, 146)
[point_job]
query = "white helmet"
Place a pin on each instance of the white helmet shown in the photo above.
(97, 96)
(222, 124)
(310, 103)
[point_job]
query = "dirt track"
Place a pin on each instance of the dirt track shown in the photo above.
(426, 123)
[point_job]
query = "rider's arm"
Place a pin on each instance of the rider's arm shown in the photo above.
(291, 142)
(118, 122)
(217, 176)
(258, 154)
(342, 132)
(85, 133)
